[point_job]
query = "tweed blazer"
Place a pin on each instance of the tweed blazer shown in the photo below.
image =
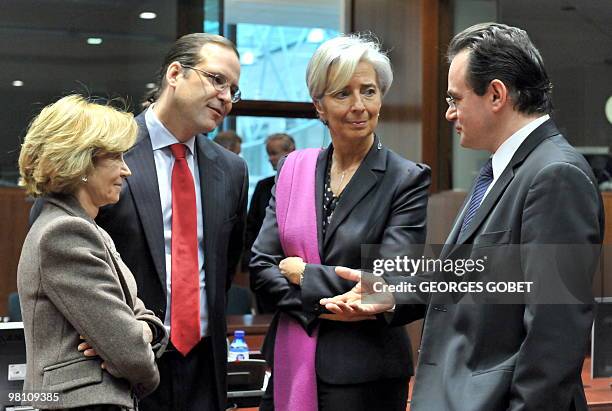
(72, 282)
(135, 223)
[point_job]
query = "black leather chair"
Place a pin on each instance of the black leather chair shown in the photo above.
(245, 381)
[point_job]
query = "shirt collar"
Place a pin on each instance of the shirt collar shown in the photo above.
(501, 158)
(160, 136)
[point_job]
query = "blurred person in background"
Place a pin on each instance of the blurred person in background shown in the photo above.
(229, 140)
(278, 145)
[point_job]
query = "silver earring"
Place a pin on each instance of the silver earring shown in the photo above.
(379, 146)
(84, 179)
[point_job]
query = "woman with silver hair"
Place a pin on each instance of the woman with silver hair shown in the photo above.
(325, 205)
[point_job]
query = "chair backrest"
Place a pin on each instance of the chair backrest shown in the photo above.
(239, 301)
(14, 307)
(601, 340)
(246, 375)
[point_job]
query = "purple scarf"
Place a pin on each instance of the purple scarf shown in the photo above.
(295, 380)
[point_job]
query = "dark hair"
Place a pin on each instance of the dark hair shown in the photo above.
(186, 50)
(288, 141)
(498, 51)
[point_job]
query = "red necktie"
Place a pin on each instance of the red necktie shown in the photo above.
(185, 310)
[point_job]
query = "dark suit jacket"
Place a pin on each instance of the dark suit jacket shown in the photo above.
(384, 203)
(135, 224)
(72, 282)
(521, 356)
(257, 212)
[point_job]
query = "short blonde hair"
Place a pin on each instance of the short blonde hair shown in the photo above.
(344, 53)
(63, 140)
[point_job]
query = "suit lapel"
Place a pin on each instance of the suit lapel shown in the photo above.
(319, 187)
(362, 182)
(145, 190)
(70, 205)
(212, 184)
(451, 240)
(488, 203)
(544, 131)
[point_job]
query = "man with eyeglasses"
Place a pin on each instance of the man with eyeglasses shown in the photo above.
(534, 215)
(180, 222)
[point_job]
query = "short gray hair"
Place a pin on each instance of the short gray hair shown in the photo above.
(345, 52)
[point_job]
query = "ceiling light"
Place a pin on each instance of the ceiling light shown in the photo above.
(247, 58)
(94, 41)
(17, 83)
(150, 85)
(608, 109)
(147, 15)
(316, 36)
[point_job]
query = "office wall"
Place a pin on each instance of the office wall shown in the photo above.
(400, 124)
(579, 97)
(14, 211)
(415, 33)
(575, 41)
(603, 279)
(467, 162)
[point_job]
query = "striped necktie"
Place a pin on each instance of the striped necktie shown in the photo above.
(483, 181)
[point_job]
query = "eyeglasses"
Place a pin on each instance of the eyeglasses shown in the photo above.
(219, 82)
(452, 103)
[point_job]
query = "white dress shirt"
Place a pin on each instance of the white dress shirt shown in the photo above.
(161, 139)
(501, 158)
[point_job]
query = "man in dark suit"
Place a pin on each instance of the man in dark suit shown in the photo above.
(535, 197)
(197, 86)
(278, 145)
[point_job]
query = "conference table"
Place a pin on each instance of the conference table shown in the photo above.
(598, 391)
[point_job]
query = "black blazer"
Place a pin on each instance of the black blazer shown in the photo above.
(135, 224)
(384, 203)
(524, 356)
